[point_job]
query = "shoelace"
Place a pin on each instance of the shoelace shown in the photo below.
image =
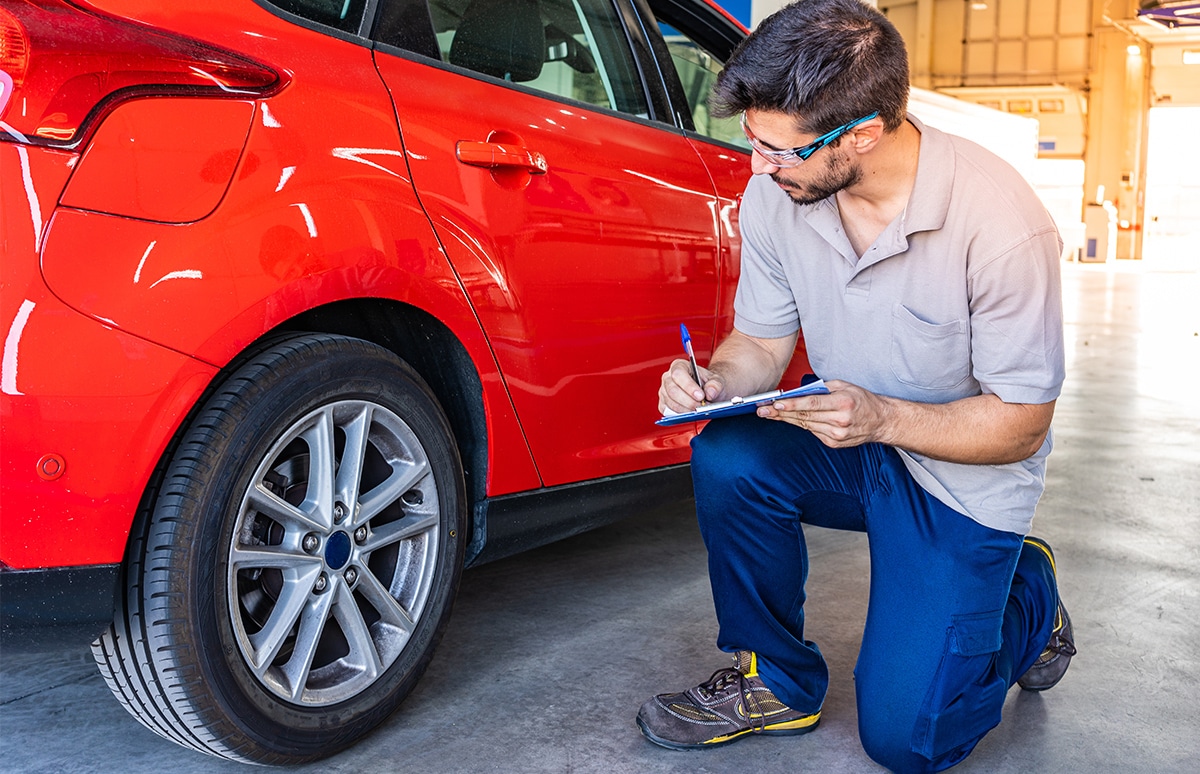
(723, 679)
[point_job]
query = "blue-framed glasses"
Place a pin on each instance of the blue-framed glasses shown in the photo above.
(792, 157)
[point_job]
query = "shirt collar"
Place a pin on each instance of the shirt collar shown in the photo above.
(927, 209)
(929, 202)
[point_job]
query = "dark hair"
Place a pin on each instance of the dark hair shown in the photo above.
(826, 62)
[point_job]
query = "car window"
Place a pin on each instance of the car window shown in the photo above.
(345, 15)
(698, 70)
(575, 49)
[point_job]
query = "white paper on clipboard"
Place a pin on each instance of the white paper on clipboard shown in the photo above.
(738, 405)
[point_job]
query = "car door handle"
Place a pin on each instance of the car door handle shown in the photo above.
(495, 154)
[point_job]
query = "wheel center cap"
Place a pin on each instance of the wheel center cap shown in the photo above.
(337, 550)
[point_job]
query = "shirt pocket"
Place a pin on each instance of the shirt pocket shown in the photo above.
(933, 356)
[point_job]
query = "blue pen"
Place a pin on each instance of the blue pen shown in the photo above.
(691, 353)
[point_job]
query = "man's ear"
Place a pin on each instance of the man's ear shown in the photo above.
(864, 137)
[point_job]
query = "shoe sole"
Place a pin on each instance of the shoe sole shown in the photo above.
(787, 728)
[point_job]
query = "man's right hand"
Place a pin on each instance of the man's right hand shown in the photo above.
(679, 391)
(741, 365)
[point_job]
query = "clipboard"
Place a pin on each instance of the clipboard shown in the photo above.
(739, 405)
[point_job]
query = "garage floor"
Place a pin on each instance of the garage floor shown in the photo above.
(549, 654)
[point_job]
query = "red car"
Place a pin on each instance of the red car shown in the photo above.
(309, 304)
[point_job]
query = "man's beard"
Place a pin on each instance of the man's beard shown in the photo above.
(836, 175)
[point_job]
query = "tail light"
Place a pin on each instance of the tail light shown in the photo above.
(62, 67)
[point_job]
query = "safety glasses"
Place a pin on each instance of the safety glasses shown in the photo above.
(793, 157)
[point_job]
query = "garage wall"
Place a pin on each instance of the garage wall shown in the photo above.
(994, 42)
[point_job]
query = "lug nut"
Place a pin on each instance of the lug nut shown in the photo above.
(360, 535)
(351, 576)
(339, 513)
(311, 542)
(321, 584)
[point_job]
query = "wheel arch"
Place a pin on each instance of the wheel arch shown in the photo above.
(434, 351)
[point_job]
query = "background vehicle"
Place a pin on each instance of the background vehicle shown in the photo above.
(308, 305)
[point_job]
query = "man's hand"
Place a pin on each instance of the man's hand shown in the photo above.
(742, 365)
(679, 391)
(847, 416)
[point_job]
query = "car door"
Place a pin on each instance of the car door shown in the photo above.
(582, 225)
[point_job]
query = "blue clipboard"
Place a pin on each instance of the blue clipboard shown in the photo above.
(747, 405)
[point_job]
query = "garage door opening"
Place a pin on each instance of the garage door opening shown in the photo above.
(1172, 190)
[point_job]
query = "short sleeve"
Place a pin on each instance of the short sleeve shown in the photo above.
(1016, 321)
(764, 306)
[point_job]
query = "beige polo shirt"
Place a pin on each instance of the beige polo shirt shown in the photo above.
(960, 295)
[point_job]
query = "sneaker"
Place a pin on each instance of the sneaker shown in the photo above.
(1052, 664)
(730, 704)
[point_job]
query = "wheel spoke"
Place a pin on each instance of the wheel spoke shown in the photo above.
(391, 612)
(362, 646)
(271, 505)
(349, 474)
(292, 600)
(410, 526)
(253, 557)
(313, 619)
(402, 479)
(319, 437)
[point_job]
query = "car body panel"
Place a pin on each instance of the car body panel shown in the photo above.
(86, 411)
(155, 159)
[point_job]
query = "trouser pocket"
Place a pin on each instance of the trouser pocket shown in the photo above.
(966, 697)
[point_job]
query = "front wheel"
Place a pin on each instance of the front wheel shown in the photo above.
(293, 572)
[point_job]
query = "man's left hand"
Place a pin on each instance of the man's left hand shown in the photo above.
(847, 416)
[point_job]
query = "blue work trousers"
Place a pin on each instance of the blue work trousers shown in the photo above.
(957, 611)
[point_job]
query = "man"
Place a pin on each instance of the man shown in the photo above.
(924, 274)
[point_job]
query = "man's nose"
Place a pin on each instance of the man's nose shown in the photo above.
(760, 166)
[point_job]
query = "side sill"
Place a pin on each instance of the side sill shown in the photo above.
(510, 524)
(73, 603)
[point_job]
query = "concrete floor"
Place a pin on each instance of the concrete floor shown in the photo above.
(549, 654)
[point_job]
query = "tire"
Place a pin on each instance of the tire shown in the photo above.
(292, 571)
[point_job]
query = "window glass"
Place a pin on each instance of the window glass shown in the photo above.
(698, 70)
(571, 48)
(345, 15)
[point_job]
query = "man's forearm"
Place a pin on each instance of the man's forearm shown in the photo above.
(745, 365)
(982, 430)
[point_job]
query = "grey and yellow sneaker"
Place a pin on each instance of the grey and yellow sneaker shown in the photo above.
(730, 704)
(1056, 657)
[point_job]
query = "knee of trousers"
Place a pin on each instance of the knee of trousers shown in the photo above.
(728, 454)
(890, 745)
(930, 728)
